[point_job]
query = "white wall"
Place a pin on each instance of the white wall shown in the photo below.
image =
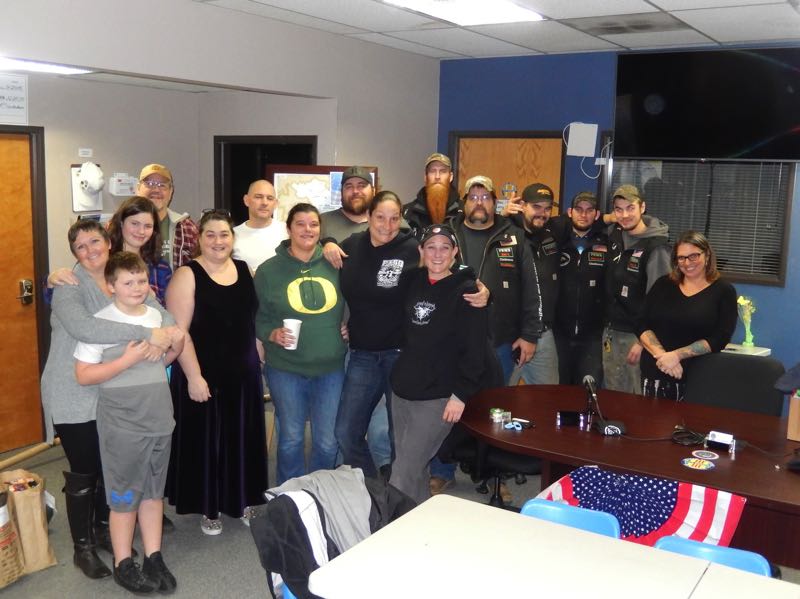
(126, 127)
(386, 100)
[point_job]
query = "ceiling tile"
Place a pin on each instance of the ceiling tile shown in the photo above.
(660, 39)
(364, 14)
(287, 16)
(745, 23)
(393, 42)
(545, 36)
(571, 9)
(636, 23)
(692, 4)
(461, 41)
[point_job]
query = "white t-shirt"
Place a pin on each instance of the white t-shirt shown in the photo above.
(92, 353)
(254, 246)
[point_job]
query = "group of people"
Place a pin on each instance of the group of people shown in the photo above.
(395, 336)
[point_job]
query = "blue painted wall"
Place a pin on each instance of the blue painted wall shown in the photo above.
(544, 93)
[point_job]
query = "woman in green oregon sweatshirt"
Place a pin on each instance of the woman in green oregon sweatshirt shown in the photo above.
(306, 382)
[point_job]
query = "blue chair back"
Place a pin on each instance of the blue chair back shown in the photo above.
(287, 594)
(570, 515)
(727, 556)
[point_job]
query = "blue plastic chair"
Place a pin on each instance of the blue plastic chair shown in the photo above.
(570, 515)
(727, 556)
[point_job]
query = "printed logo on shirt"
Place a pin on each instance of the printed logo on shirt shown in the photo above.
(597, 258)
(324, 293)
(423, 312)
(389, 273)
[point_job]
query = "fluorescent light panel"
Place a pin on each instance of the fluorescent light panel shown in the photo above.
(13, 64)
(470, 12)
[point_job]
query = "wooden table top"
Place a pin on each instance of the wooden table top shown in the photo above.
(761, 478)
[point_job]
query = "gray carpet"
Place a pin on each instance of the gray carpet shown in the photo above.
(221, 566)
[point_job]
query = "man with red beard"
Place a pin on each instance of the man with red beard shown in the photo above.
(437, 201)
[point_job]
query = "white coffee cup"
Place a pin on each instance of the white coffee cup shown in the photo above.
(294, 326)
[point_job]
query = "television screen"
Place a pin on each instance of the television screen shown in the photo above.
(719, 104)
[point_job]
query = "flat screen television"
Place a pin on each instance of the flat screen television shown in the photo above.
(716, 104)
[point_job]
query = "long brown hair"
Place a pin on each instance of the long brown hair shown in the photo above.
(699, 241)
(150, 251)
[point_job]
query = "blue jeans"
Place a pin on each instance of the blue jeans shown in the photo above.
(543, 368)
(366, 381)
(298, 398)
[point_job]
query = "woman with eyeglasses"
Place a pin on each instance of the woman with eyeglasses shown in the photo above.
(133, 229)
(687, 313)
(218, 463)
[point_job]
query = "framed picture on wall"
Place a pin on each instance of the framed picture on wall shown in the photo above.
(320, 185)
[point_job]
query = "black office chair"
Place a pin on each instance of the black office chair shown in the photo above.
(736, 381)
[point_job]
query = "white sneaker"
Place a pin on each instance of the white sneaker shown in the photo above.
(248, 513)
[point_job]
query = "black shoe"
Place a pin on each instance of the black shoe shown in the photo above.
(155, 568)
(166, 525)
(90, 564)
(130, 577)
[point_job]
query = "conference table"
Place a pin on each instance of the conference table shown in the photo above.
(770, 523)
(452, 547)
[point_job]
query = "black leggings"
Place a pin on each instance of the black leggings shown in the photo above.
(81, 446)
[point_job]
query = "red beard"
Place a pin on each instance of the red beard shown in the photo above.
(436, 196)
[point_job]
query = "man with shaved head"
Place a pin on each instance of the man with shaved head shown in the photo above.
(255, 239)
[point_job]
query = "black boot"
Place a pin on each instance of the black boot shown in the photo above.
(102, 536)
(79, 492)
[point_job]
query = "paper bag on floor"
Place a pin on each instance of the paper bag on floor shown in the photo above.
(11, 567)
(27, 510)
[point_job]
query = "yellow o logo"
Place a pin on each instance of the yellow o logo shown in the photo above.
(296, 299)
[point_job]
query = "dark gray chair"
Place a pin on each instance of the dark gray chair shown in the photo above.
(736, 381)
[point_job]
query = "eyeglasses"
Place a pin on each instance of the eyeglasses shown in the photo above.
(482, 198)
(151, 184)
(691, 258)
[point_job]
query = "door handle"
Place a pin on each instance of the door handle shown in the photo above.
(25, 292)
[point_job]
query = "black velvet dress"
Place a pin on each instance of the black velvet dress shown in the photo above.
(219, 462)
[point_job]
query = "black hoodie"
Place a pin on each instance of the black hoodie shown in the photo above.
(447, 350)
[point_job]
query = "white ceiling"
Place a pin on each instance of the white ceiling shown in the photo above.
(569, 25)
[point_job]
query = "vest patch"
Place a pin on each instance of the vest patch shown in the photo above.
(633, 264)
(505, 256)
(597, 258)
(389, 273)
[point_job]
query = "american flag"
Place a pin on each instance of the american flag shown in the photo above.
(650, 508)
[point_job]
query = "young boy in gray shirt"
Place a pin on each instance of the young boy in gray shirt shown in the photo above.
(134, 424)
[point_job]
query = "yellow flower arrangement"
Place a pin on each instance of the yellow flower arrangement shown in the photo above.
(746, 309)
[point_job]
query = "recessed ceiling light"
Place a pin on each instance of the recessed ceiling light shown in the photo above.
(470, 12)
(13, 64)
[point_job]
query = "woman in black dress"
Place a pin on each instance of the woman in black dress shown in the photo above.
(218, 462)
(687, 313)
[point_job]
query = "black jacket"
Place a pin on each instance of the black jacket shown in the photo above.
(446, 348)
(582, 279)
(508, 270)
(416, 213)
(632, 271)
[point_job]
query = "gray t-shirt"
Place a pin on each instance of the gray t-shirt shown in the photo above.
(335, 224)
(138, 398)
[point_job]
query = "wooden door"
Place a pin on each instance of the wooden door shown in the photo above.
(517, 160)
(20, 405)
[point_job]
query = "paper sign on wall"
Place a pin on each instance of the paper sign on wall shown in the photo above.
(13, 99)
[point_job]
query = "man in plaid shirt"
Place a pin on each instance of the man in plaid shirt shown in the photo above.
(178, 231)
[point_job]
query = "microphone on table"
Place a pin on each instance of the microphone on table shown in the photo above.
(606, 427)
